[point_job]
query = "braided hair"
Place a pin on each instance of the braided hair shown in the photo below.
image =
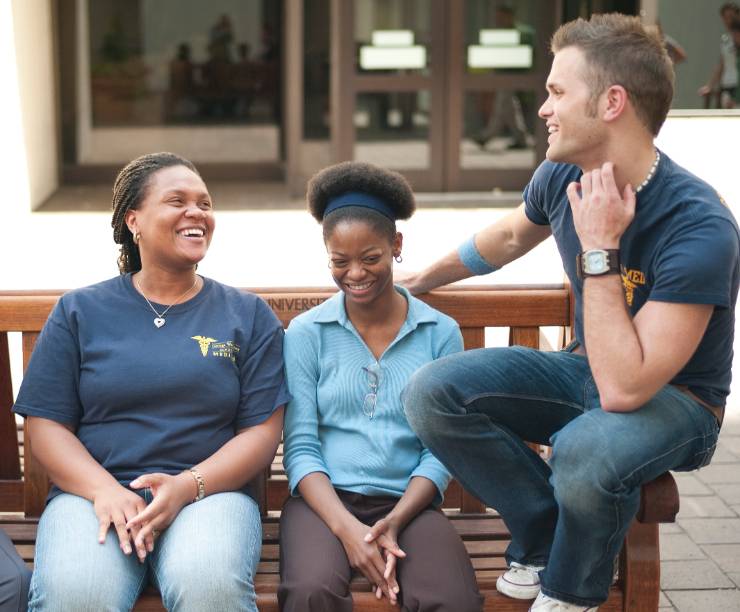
(354, 176)
(129, 191)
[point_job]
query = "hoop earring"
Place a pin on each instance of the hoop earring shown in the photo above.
(398, 258)
(137, 237)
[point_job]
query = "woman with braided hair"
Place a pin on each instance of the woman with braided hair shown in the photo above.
(152, 399)
(364, 488)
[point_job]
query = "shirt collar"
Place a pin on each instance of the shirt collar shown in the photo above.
(333, 310)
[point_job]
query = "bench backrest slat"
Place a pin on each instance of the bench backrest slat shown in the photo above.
(10, 465)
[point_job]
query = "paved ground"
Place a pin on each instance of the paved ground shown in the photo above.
(700, 553)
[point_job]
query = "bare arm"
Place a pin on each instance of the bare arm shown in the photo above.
(243, 457)
(418, 495)
(713, 79)
(627, 356)
(69, 464)
(73, 470)
(499, 243)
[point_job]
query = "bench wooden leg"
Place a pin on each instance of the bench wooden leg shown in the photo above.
(640, 568)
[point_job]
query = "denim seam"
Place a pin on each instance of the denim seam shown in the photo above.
(589, 379)
(668, 452)
(140, 587)
(153, 567)
(537, 398)
(612, 537)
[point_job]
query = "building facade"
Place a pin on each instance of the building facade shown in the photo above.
(444, 91)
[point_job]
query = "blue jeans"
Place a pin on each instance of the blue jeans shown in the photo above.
(474, 409)
(205, 560)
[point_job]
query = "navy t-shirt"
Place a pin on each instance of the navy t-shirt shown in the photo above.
(143, 399)
(682, 246)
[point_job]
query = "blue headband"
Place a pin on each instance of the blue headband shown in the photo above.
(358, 198)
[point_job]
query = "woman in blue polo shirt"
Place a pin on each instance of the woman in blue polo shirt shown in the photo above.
(364, 489)
(152, 399)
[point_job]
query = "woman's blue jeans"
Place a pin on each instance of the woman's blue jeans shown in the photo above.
(205, 560)
(474, 410)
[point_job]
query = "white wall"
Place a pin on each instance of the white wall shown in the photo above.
(34, 56)
(707, 146)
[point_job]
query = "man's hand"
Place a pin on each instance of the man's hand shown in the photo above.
(600, 213)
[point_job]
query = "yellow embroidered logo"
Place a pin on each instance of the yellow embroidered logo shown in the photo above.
(228, 349)
(630, 280)
(204, 343)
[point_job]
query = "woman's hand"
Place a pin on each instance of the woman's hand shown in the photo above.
(117, 505)
(367, 558)
(170, 494)
(385, 534)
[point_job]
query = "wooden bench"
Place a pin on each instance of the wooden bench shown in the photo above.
(523, 309)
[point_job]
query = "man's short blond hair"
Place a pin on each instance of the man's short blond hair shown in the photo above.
(619, 50)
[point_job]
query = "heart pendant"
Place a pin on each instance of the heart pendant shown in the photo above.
(159, 321)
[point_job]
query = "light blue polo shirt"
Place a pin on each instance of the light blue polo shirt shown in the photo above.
(326, 429)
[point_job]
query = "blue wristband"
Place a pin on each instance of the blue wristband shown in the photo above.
(472, 259)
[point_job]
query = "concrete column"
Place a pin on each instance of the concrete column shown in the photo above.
(34, 56)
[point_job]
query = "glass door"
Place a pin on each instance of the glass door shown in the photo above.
(444, 91)
(499, 61)
(388, 86)
(198, 78)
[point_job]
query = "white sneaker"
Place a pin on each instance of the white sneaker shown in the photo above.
(519, 581)
(543, 603)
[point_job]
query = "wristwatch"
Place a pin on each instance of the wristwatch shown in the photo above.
(596, 262)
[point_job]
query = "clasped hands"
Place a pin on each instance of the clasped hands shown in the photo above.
(136, 523)
(601, 214)
(375, 553)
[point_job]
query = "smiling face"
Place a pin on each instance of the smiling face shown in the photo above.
(174, 220)
(361, 261)
(575, 131)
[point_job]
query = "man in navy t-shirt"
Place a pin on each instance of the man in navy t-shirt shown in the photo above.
(652, 253)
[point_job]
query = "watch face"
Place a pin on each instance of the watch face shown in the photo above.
(595, 262)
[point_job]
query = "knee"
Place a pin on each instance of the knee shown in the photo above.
(14, 585)
(216, 588)
(582, 471)
(425, 399)
(49, 592)
(453, 600)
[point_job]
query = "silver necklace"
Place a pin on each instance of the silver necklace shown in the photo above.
(653, 168)
(159, 320)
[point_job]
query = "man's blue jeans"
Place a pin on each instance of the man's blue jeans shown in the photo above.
(474, 409)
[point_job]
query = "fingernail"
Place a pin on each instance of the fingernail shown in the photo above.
(127, 549)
